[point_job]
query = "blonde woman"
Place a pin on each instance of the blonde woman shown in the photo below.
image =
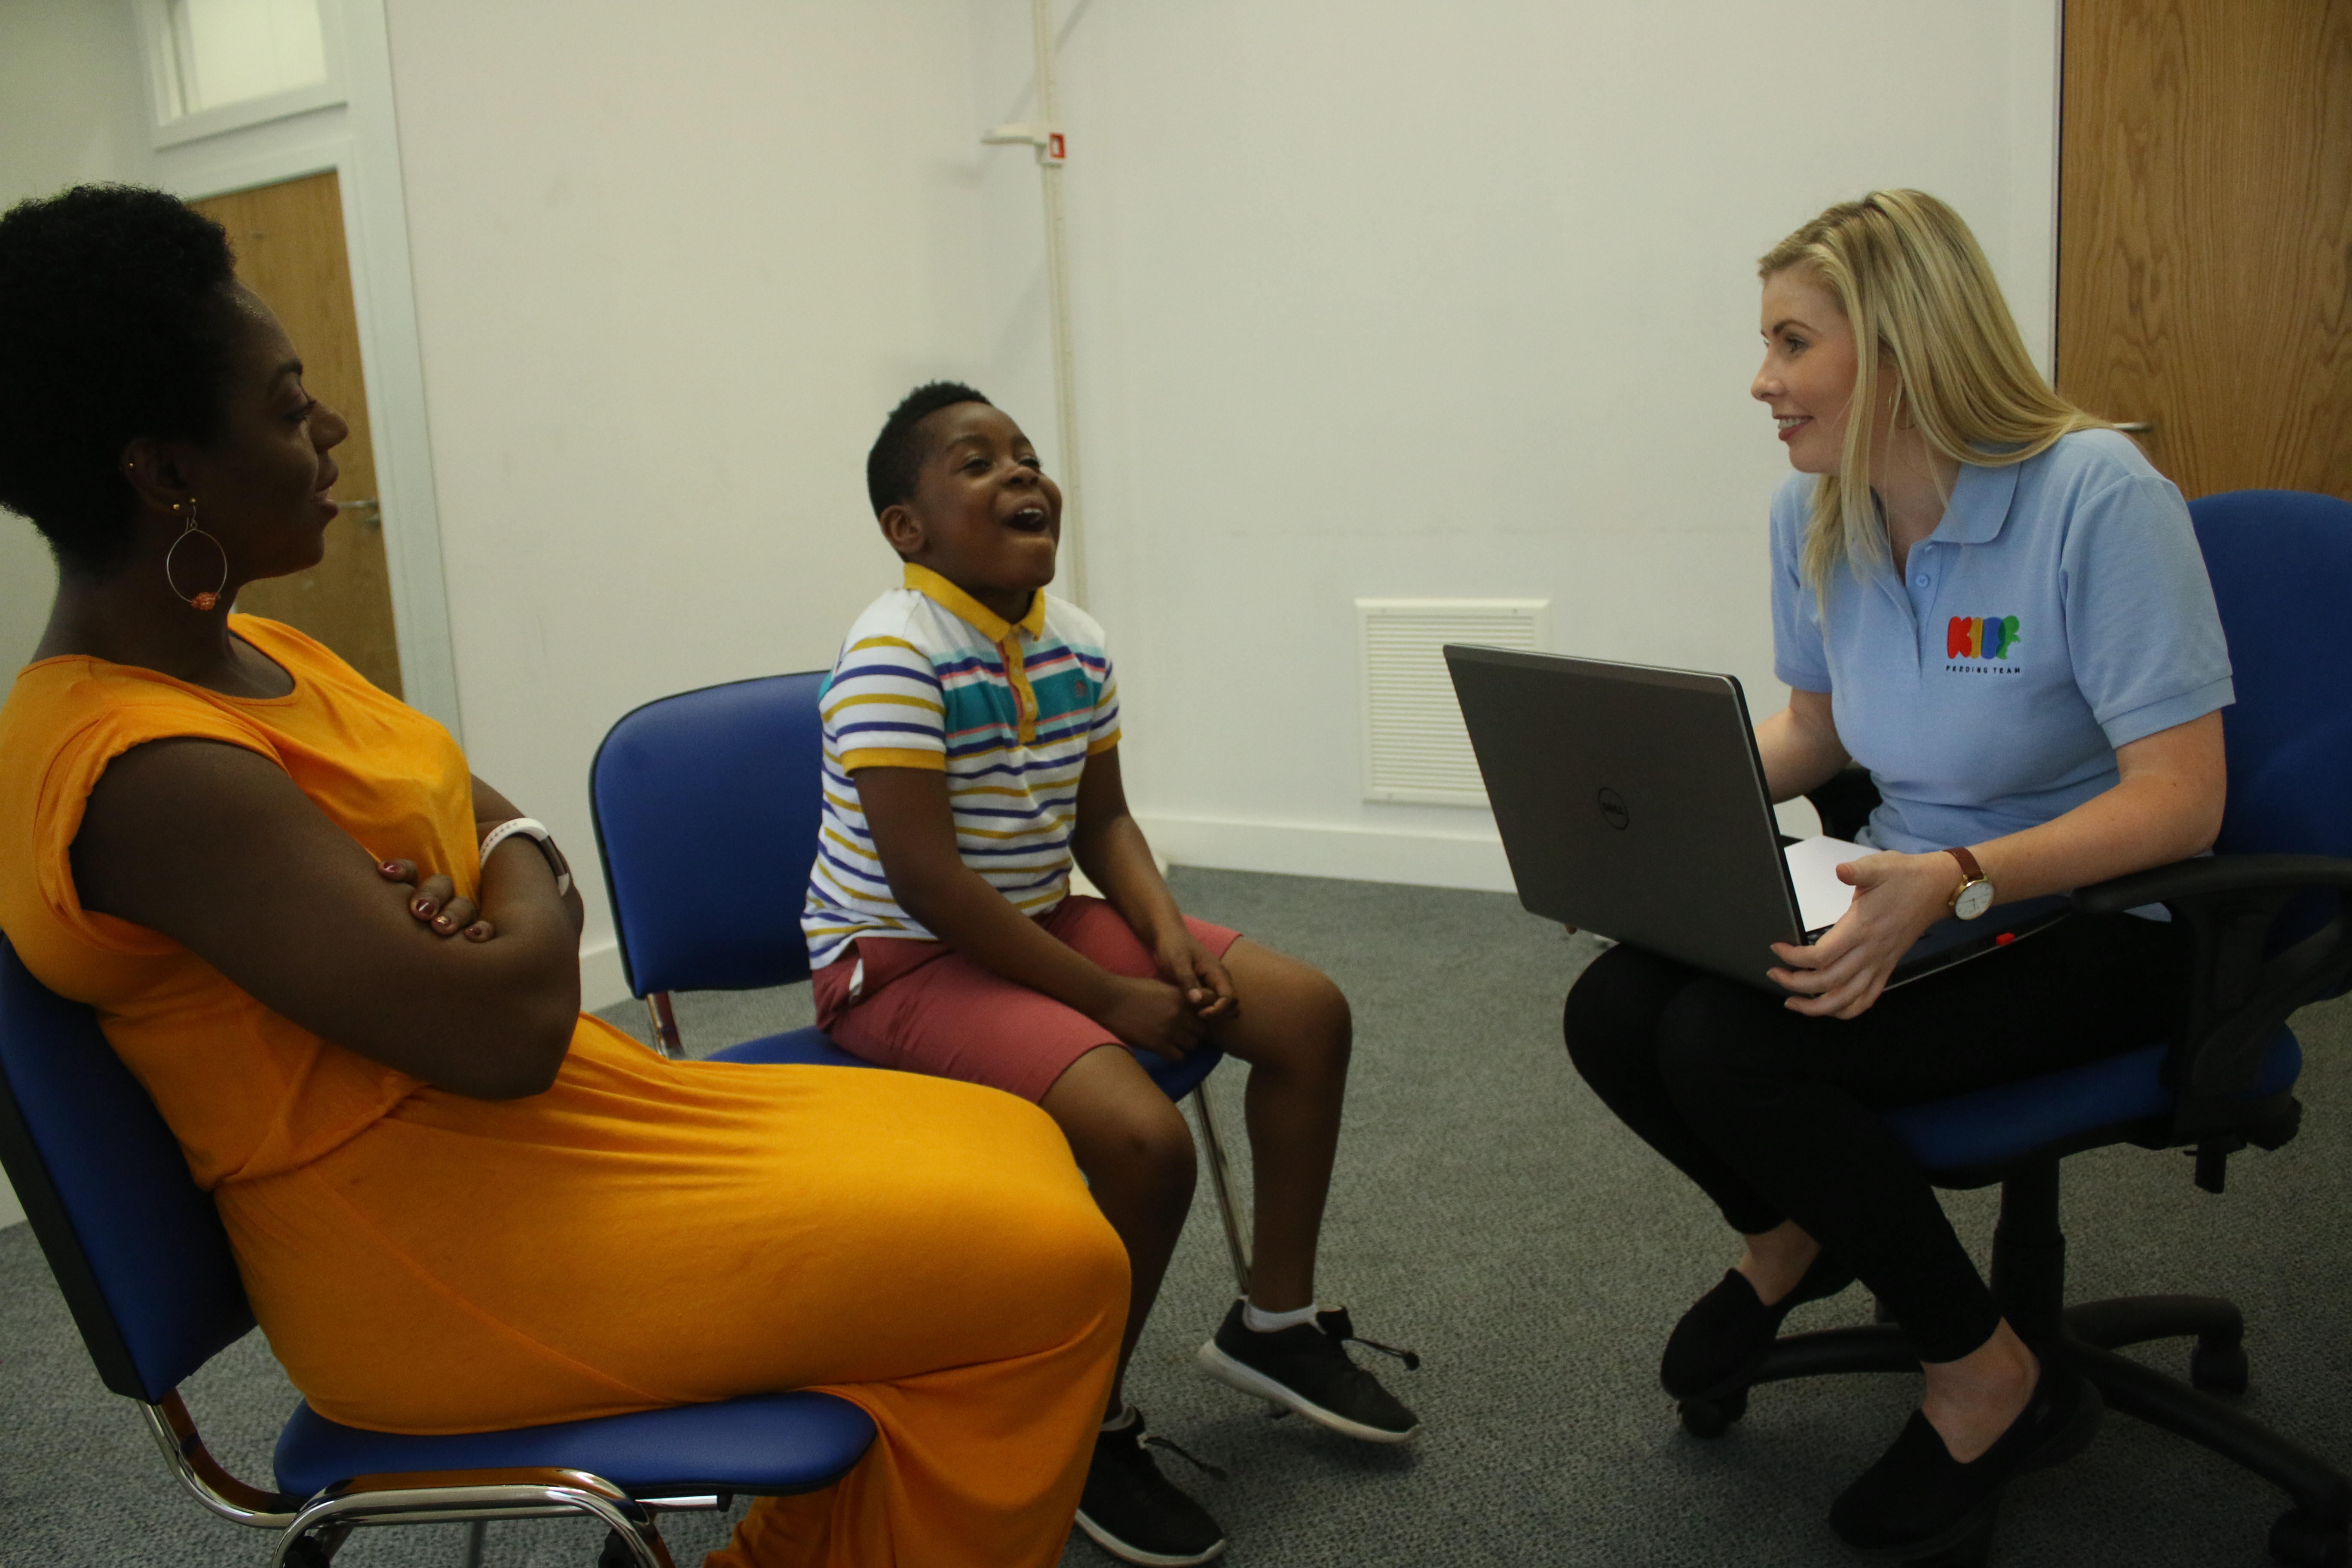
(1990, 599)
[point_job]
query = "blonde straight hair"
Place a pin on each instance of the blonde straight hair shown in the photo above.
(1918, 292)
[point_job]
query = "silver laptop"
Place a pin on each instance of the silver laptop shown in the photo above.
(1631, 802)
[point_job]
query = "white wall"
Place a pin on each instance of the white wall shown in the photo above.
(1374, 298)
(69, 110)
(669, 279)
(1420, 299)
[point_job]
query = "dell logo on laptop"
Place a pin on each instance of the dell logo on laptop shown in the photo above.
(1612, 809)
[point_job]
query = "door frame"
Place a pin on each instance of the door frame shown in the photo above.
(2028, 264)
(358, 141)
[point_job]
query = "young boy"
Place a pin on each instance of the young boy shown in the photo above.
(971, 754)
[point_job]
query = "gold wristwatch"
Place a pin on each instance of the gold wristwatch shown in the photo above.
(1973, 897)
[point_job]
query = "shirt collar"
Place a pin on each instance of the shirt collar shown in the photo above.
(1979, 505)
(987, 621)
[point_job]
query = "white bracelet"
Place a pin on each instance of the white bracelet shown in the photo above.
(530, 827)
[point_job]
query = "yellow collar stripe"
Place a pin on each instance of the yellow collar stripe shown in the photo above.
(996, 629)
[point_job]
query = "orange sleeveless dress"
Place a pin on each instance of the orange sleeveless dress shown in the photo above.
(645, 1233)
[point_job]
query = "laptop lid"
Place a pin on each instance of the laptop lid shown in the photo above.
(1632, 802)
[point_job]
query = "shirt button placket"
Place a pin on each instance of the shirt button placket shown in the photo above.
(1922, 604)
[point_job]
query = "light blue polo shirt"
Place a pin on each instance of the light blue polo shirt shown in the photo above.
(2059, 610)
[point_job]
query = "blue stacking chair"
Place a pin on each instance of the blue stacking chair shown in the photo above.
(2274, 931)
(144, 1265)
(707, 808)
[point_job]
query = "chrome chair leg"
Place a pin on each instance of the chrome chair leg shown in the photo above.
(665, 1022)
(1221, 1177)
(475, 1534)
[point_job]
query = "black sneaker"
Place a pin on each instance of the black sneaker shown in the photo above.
(1306, 1368)
(1135, 1514)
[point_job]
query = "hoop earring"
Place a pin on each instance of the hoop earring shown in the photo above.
(195, 601)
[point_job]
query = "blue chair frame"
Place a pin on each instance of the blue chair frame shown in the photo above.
(144, 1264)
(707, 806)
(2274, 931)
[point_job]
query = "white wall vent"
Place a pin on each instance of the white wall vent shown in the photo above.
(1415, 749)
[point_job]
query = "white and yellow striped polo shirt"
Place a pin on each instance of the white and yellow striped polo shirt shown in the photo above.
(930, 678)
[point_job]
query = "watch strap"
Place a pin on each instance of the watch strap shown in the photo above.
(530, 827)
(1972, 877)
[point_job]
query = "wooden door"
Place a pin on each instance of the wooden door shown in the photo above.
(289, 250)
(2205, 235)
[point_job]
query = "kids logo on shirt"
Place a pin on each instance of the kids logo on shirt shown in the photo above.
(1993, 637)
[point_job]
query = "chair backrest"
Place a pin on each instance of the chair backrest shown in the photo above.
(707, 806)
(2281, 563)
(137, 1247)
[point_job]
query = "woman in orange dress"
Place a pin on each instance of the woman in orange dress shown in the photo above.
(457, 1203)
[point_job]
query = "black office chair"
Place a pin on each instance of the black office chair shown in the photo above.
(2274, 931)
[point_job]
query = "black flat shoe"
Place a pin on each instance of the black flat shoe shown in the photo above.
(1918, 1501)
(1727, 1333)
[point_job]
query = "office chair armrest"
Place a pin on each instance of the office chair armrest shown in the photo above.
(2214, 875)
(2240, 993)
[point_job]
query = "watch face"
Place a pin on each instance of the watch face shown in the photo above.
(1974, 900)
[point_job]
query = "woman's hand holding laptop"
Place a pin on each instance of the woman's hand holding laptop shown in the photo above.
(1896, 898)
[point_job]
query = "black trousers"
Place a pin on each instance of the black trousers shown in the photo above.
(1775, 1115)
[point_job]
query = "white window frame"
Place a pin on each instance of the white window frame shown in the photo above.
(169, 128)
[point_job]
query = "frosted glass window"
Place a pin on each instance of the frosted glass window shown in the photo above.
(233, 51)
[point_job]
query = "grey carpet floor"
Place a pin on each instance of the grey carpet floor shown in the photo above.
(1488, 1212)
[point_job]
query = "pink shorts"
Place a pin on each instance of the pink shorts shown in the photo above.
(925, 1007)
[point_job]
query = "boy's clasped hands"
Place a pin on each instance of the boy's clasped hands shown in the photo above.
(1171, 1017)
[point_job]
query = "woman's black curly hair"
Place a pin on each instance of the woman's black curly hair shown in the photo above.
(114, 324)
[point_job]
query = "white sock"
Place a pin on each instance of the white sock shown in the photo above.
(1126, 1418)
(1258, 1320)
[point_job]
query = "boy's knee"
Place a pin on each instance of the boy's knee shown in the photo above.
(1331, 1023)
(1151, 1149)
(1314, 1029)
(1165, 1150)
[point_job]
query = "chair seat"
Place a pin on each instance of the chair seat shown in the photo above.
(1176, 1079)
(1995, 1126)
(769, 1444)
(806, 1047)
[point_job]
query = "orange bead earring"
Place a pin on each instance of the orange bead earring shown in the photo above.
(198, 601)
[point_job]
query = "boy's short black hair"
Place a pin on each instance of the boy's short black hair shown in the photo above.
(115, 323)
(897, 454)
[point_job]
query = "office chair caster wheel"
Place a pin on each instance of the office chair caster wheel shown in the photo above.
(2217, 1369)
(2303, 1541)
(1713, 1417)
